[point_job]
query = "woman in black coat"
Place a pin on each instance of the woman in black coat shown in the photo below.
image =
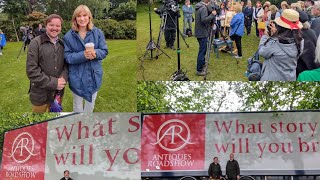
(306, 60)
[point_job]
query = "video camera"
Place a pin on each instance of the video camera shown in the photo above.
(213, 6)
(168, 5)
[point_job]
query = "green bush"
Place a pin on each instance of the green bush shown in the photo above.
(124, 11)
(130, 28)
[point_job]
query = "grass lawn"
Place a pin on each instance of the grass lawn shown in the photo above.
(117, 93)
(225, 68)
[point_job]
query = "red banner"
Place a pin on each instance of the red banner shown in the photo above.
(24, 153)
(173, 142)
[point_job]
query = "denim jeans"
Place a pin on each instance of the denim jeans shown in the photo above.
(187, 21)
(201, 53)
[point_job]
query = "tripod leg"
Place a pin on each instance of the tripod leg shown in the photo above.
(207, 57)
(20, 50)
(181, 34)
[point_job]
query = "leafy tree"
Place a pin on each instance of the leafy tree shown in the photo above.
(65, 9)
(228, 96)
(14, 8)
(151, 97)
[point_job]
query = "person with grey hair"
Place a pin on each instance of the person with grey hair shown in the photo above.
(308, 7)
(306, 59)
(312, 75)
(315, 23)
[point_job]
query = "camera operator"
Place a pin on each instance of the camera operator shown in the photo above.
(170, 29)
(205, 14)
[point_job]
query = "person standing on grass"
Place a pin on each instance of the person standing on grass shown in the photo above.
(203, 27)
(282, 49)
(2, 41)
(39, 30)
(85, 69)
(248, 12)
(46, 69)
(255, 16)
(237, 28)
(187, 16)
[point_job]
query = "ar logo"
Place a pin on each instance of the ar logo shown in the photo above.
(22, 148)
(173, 135)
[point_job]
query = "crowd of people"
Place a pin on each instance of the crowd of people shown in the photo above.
(288, 34)
(52, 62)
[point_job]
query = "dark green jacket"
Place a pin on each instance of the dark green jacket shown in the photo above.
(215, 171)
(232, 169)
(45, 64)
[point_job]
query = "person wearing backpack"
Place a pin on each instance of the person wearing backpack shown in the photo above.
(282, 50)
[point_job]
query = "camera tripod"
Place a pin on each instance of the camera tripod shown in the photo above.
(164, 17)
(22, 47)
(209, 47)
(152, 45)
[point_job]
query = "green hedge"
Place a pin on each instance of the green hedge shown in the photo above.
(112, 29)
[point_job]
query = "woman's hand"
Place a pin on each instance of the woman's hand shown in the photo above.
(90, 54)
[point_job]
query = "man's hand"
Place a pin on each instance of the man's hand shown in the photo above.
(214, 12)
(61, 83)
(238, 177)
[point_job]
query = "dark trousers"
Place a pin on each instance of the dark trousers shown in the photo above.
(237, 39)
(247, 24)
(202, 53)
(257, 30)
(170, 37)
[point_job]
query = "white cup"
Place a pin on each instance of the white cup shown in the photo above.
(89, 46)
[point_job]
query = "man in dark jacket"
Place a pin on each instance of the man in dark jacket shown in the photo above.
(45, 67)
(39, 30)
(66, 175)
(248, 12)
(232, 169)
(203, 26)
(214, 170)
(170, 30)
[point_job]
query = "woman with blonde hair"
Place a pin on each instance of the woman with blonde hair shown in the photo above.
(274, 13)
(284, 5)
(237, 28)
(85, 48)
(296, 6)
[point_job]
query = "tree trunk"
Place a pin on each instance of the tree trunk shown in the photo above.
(15, 30)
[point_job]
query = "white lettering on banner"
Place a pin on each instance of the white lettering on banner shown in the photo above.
(21, 143)
(174, 160)
(171, 132)
(21, 172)
(20, 175)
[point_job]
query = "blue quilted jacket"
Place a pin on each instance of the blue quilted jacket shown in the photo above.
(85, 76)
